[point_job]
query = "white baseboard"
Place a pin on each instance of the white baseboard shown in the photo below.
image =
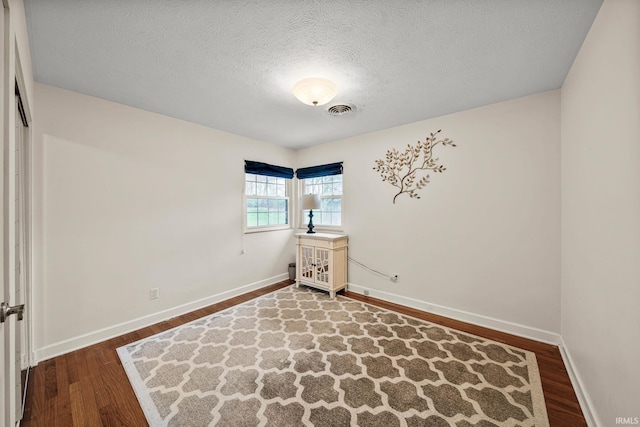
(464, 316)
(104, 334)
(581, 392)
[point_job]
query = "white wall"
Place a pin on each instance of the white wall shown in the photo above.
(601, 212)
(485, 236)
(130, 201)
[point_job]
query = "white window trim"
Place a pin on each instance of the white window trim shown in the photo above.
(304, 219)
(249, 230)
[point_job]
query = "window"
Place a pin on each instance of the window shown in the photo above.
(329, 188)
(325, 181)
(266, 196)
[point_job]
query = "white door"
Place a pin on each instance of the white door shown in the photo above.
(6, 385)
(14, 230)
(22, 260)
(13, 329)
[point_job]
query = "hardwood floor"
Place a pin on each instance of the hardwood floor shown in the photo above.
(89, 387)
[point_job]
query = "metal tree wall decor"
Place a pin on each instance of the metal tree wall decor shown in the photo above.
(401, 169)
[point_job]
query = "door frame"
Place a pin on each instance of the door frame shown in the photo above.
(12, 77)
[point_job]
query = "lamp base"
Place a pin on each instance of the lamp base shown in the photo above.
(310, 226)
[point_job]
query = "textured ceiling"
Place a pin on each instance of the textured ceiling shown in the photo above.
(231, 65)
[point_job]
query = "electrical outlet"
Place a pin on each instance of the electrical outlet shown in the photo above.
(366, 292)
(154, 293)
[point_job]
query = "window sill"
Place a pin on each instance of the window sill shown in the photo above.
(264, 229)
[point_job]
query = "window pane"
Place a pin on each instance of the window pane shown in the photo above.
(327, 218)
(250, 189)
(328, 187)
(252, 220)
(263, 219)
(312, 185)
(329, 214)
(337, 188)
(266, 203)
(265, 212)
(332, 205)
(273, 218)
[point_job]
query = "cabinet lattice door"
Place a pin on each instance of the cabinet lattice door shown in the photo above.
(306, 262)
(322, 265)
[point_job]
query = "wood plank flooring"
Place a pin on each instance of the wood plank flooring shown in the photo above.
(89, 387)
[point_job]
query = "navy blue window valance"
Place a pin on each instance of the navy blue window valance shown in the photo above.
(318, 171)
(259, 168)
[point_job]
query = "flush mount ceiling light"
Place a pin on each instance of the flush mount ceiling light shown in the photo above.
(315, 91)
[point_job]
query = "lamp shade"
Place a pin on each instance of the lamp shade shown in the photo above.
(311, 201)
(315, 91)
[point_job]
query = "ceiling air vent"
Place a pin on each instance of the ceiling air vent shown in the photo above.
(340, 109)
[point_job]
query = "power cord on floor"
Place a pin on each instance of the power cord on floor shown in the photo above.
(393, 278)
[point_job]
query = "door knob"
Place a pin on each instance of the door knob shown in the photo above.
(6, 310)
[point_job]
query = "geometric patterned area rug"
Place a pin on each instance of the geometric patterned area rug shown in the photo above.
(296, 357)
